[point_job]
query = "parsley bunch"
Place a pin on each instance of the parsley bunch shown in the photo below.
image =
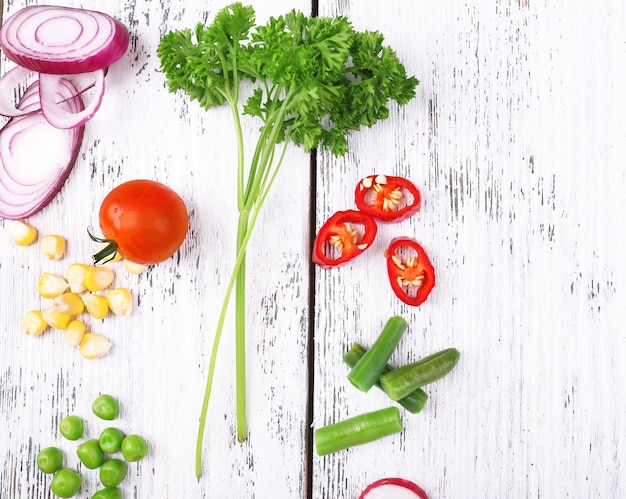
(314, 79)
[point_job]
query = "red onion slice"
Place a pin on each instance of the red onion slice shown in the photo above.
(57, 114)
(393, 488)
(8, 83)
(36, 157)
(63, 40)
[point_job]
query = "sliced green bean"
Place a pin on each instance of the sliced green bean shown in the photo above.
(414, 402)
(371, 365)
(401, 381)
(358, 430)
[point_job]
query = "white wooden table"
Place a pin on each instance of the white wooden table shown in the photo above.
(517, 140)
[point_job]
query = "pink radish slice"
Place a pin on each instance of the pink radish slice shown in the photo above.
(35, 157)
(393, 488)
(63, 40)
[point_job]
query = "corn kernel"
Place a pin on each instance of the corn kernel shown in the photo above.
(74, 332)
(56, 319)
(52, 246)
(69, 303)
(94, 346)
(134, 268)
(33, 323)
(98, 277)
(51, 285)
(96, 305)
(120, 301)
(75, 276)
(22, 232)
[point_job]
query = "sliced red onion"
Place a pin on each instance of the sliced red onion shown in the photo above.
(36, 157)
(8, 84)
(393, 488)
(57, 114)
(63, 40)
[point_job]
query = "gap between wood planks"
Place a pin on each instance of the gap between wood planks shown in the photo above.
(309, 444)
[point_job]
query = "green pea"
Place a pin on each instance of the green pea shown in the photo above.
(113, 472)
(111, 440)
(65, 483)
(106, 407)
(72, 427)
(50, 459)
(90, 454)
(134, 448)
(108, 493)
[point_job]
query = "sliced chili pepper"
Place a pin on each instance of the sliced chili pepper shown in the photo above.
(344, 236)
(411, 274)
(386, 198)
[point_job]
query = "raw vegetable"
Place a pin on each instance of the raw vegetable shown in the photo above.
(403, 380)
(393, 488)
(358, 430)
(60, 41)
(387, 198)
(90, 454)
(94, 345)
(414, 402)
(53, 246)
(134, 448)
(106, 407)
(22, 232)
(411, 274)
(72, 427)
(111, 440)
(49, 459)
(108, 493)
(66, 483)
(343, 237)
(34, 323)
(35, 157)
(315, 80)
(113, 472)
(144, 220)
(371, 365)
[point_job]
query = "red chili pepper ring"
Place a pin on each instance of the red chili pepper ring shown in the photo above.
(343, 237)
(411, 275)
(387, 198)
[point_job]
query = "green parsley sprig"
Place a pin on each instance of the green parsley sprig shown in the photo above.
(315, 80)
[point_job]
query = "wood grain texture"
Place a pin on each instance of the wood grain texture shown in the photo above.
(516, 139)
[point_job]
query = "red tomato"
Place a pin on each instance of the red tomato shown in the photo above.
(147, 221)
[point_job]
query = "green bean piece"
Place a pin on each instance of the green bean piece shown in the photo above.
(358, 430)
(368, 369)
(134, 448)
(66, 483)
(50, 459)
(414, 402)
(72, 427)
(113, 472)
(400, 382)
(90, 454)
(108, 493)
(111, 440)
(106, 407)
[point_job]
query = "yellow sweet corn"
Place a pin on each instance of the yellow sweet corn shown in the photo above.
(51, 285)
(74, 332)
(120, 301)
(69, 303)
(56, 319)
(98, 277)
(53, 246)
(94, 345)
(134, 268)
(75, 275)
(22, 232)
(96, 305)
(33, 323)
